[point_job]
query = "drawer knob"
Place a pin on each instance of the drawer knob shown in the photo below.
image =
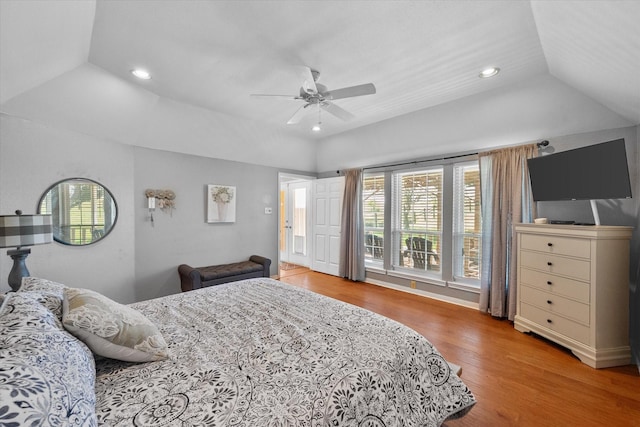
(549, 244)
(549, 301)
(549, 263)
(549, 282)
(549, 321)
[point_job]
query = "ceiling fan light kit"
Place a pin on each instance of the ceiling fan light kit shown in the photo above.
(316, 127)
(313, 93)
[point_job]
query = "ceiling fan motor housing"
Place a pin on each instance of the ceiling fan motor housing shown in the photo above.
(314, 97)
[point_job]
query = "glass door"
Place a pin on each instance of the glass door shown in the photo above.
(294, 222)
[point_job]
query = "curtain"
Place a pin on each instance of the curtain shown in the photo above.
(352, 233)
(506, 200)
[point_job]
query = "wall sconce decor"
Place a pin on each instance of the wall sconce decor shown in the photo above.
(23, 230)
(164, 199)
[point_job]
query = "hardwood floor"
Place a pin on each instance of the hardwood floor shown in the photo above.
(518, 379)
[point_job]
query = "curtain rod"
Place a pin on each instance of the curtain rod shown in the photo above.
(415, 162)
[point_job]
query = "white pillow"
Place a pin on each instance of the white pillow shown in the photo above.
(110, 329)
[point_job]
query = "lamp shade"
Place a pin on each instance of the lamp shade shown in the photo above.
(25, 230)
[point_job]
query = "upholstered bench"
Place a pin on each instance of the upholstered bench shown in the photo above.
(201, 277)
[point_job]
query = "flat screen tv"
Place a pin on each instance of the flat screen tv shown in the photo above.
(594, 172)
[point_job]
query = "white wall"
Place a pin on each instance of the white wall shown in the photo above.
(33, 157)
(136, 260)
(183, 236)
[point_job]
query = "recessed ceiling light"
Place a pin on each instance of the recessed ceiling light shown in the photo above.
(141, 74)
(489, 72)
(316, 128)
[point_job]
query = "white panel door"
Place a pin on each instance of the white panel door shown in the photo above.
(327, 220)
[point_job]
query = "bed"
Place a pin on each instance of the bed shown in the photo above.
(252, 353)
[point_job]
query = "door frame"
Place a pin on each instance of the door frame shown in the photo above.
(285, 178)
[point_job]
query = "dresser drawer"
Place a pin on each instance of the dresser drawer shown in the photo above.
(580, 248)
(555, 323)
(555, 304)
(556, 285)
(574, 268)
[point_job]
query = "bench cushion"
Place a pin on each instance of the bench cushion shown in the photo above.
(225, 270)
(201, 277)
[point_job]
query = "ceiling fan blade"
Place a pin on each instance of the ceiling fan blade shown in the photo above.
(308, 82)
(297, 115)
(337, 111)
(264, 95)
(348, 92)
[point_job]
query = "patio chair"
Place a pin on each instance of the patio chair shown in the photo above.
(374, 245)
(420, 250)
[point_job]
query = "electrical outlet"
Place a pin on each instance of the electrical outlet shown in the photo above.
(413, 284)
(268, 211)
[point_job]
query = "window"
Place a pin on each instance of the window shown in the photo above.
(373, 210)
(435, 222)
(417, 219)
(466, 222)
(300, 221)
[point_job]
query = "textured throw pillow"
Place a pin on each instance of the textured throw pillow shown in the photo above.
(47, 376)
(110, 329)
(51, 292)
(37, 284)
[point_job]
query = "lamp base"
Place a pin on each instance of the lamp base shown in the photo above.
(19, 269)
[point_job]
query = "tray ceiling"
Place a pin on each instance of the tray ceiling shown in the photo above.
(419, 54)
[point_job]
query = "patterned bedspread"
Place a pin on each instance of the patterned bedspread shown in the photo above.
(263, 353)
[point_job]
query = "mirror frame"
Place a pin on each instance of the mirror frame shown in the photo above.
(89, 181)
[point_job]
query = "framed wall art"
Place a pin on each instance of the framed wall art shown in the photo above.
(221, 203)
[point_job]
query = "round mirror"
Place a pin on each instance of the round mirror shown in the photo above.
(82, 211)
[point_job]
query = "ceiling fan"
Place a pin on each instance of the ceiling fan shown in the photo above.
(316, 94)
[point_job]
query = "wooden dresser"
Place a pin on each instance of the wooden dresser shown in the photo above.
(573, 288)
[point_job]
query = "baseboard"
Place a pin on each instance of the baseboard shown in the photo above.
(426, 294)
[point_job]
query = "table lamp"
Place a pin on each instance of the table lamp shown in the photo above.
(23, 230)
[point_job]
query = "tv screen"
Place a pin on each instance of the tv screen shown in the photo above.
(597, 171)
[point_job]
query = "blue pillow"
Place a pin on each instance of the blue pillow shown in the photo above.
(51, 293)
(47, 376)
